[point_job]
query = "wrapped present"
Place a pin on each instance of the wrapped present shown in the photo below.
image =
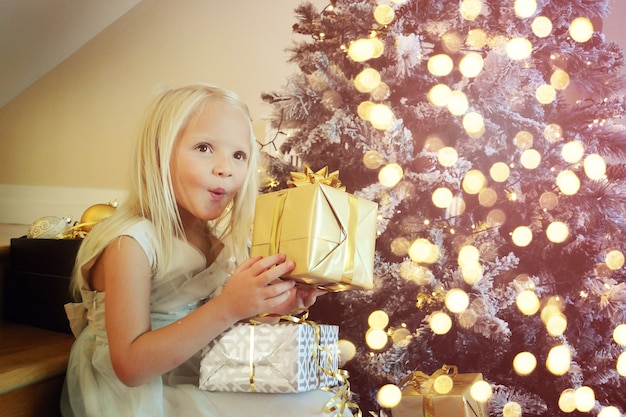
(329, 233)
(282, 357)
(445, 393)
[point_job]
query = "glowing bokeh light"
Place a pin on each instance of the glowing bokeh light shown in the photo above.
(457, 103)
(381, 116)
(568, 182)
(442, 197)
(481, 391)
(476, 38)
(519, 49)
(512, 409)
(457, 300)
(525, 8)
(451, 42)
(390, 175)
(468, 255)
(594, 166)
(367, 80)
(499, 172)
(372, 159)
(541, 26)
(376, 338)
(487, 197)
(585, 399)
(384, 14)
(422, 251)
(439, 95)
(545, 94)
(440, 65)
(619, 334)
(474, 124)
(567, 401)
(524, 363)
(471, 64)
(530, 159)
(389, 396)
(474, 181)
(621, 364)
(610, 411)
(614, 260)
(559, 79)
(557, 232)
(573, 151)
(528, 302)
(522, 236)
(443, 384)
(556, 324)
(553, 133)
(347, 350)
(470, 9)
(457, 206)
(378, 319)
(447, 156)
(361, 50)
(548, 200)
(364, 109)
(581, 29)
(440, 322)
(523, 140)
(559, 360)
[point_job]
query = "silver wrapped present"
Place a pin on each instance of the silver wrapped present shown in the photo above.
(279, 358)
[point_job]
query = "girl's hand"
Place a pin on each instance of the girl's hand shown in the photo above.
(302, 296)
(255, 287)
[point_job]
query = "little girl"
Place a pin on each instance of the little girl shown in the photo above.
(169, 271)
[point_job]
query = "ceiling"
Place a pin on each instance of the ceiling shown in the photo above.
(37, 35)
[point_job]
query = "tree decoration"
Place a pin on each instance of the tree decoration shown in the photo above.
(489, 134)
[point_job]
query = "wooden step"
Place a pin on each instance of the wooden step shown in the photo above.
(33, 362)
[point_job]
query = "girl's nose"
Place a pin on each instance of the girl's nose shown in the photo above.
(222, 168)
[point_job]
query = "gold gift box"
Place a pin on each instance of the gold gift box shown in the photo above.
(421, 400)
(329, 234)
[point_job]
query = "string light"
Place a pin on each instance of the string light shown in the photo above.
(541, 26)
(581, 29)
(524, 363)
(389, 396)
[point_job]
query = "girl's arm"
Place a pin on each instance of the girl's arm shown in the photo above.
(138, 353)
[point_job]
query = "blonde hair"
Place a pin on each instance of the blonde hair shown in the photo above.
(151, 194)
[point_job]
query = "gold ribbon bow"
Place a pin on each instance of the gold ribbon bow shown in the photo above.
(321, 176)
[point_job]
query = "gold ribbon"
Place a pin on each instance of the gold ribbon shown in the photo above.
(424, 383)
(321, 176)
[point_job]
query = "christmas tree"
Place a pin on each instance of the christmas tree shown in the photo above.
(489, 134)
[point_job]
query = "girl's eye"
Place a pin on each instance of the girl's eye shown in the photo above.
(203, 147)
(241, 156)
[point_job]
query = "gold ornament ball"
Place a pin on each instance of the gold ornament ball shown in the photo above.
(94, 214)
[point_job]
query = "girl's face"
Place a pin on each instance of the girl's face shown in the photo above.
(210, 161)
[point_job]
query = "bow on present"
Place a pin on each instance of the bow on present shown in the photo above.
(425, 385)
(322, 176)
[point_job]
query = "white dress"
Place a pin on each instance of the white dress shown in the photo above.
(92, 388)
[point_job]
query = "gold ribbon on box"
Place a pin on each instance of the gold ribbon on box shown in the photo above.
(341, 399)
(425, 385)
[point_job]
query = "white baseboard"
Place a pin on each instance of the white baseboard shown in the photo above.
(23, 204)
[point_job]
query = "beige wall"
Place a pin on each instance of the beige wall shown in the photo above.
(75, 125)
(69, 134)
